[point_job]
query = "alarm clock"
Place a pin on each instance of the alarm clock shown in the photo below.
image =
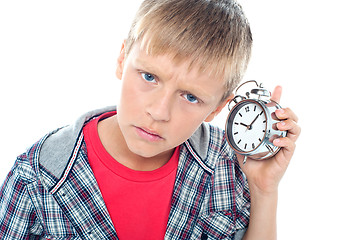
(251, 124)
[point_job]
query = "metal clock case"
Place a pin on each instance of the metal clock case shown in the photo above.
(251, 124)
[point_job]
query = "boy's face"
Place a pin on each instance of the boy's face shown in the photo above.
(163, 103)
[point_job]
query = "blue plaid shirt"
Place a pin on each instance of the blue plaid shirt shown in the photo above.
(51, 192)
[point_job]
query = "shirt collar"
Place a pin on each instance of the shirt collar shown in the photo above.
(55, 148)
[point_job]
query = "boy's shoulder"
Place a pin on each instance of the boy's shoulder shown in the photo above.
(60, 144)
(52, 151)
(209, 144)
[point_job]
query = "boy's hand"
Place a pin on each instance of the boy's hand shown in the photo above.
(264, 175)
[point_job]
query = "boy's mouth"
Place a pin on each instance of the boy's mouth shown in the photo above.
(148, 134)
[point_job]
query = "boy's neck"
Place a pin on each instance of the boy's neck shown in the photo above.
(112, 139)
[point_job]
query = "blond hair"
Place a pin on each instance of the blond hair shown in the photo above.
(214, 34)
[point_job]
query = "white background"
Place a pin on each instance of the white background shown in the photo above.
(58, 59)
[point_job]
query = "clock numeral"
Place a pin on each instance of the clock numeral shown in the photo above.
(253, 146)
(239, 141)
(236, 123)
(235, 133)
(240, 114)
(264, 121)
(261, 113)
(259, 140)
(245, 146)
(254, 109)
(247, 109)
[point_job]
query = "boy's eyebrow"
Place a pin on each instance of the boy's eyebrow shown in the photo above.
(144, 64)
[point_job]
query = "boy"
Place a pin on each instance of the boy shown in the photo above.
(151, 168)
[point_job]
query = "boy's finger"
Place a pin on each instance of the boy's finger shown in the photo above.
(276, 95)
(286, 113)
(288, 147)
(291, 126)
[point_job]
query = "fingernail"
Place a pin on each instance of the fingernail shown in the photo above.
(276, 141)
(281, 111)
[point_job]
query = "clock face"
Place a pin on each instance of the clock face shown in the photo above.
(248, 125)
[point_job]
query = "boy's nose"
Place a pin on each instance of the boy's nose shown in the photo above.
(159, 107)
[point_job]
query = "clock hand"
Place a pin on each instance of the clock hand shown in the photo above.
(250, 126)
(244, 125)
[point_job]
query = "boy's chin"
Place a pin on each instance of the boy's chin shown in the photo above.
(152, 154)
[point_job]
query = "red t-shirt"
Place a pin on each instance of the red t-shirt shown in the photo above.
(138, 202)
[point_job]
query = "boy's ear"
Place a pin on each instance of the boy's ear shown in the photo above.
(219, 108)
(120, 62)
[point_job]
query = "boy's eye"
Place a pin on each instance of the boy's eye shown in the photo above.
(148, 77)
(191, 98)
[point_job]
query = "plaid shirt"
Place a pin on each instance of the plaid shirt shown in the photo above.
(51, 192)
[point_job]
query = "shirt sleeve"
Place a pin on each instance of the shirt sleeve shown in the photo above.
(17, 215)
